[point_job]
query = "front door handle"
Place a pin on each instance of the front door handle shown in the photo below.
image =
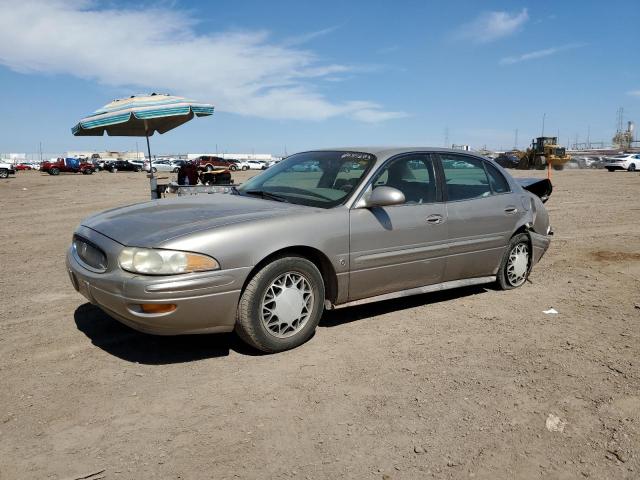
(511, 210)
(434, 219)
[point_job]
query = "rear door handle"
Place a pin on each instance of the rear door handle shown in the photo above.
(434, 219)
(511, 210)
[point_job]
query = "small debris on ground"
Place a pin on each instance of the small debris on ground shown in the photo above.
(551, 311)
(554, 424)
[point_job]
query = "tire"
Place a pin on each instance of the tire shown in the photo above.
(245, 168)
(209, 168)
(611, 170)
(558, 167)
(632, 167)
(176, 170)
(4, 173)
(270, 334)
(510, 274)
(54, 171)
(84, 172)
(137, 169)
(233, 168)
(89, 171)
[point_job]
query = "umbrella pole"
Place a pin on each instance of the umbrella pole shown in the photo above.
(152, 179)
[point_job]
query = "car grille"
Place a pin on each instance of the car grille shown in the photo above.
(89, 254)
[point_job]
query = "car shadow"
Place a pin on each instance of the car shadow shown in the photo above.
(334, 318)
(130, 345)
(133, 346)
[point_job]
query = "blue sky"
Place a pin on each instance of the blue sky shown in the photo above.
(303, 74)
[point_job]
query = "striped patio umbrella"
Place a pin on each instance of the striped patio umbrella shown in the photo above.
(141, 116)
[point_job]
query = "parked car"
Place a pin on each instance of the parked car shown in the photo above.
(122, 166)
(23, 166)
(66, 165)
(162, 166)
(627, 161)
(240, 164)
(508, 160)
(410, 221)
(256, 165)
(6, 169)
(209, 163)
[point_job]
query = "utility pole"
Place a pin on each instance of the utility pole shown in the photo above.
(40, 150)
(589, 137)
(515, 144)
(446, 137)
(543, 117)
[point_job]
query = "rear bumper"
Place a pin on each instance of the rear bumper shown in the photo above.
(540, 244)
(205, 302)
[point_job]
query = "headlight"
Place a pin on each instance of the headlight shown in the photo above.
(164, 262)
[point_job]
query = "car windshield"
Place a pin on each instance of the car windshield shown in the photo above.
(315, 179)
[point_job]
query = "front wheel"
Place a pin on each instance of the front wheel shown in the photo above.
(4, 173)
(611, 170)
(245, 168)
(281, 305)
(209, 168)
(233, 168)
(516, 263)
(54, 171)
(632, 167)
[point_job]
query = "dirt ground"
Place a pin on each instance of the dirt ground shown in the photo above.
(463, 384)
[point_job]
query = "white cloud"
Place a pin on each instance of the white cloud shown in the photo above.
(540, 53)
(491, 26)
(159, 50)
(634, 93)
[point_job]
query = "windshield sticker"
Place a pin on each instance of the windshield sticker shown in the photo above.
(357, 156)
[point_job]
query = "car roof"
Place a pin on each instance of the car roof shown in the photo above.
(389, 151)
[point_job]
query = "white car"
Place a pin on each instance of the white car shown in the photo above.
(162, 166)
(240, 164)
(627, 161)
(256, 165)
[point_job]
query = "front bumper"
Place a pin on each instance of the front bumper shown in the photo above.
(205, 302)
(540, 244)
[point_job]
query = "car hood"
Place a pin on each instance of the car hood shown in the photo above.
(151, 223)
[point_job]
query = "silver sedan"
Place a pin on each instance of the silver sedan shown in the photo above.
(320, 230)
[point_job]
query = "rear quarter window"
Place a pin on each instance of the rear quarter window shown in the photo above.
(497, 181)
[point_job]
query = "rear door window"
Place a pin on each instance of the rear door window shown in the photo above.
(465, 177)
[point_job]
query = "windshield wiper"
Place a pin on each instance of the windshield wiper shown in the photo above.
(269, 195)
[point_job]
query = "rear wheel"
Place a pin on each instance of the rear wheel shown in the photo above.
(209, 168)
(516, 262)
(611, 169)
(281, 305)
(4, 173)
(632, 167)
(558, 167)
(233, 168)
(54, 171)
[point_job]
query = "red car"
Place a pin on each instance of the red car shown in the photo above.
(23, 166)
(69, 165)
(209, 163)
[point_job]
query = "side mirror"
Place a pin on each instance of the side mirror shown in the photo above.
(384, 197)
